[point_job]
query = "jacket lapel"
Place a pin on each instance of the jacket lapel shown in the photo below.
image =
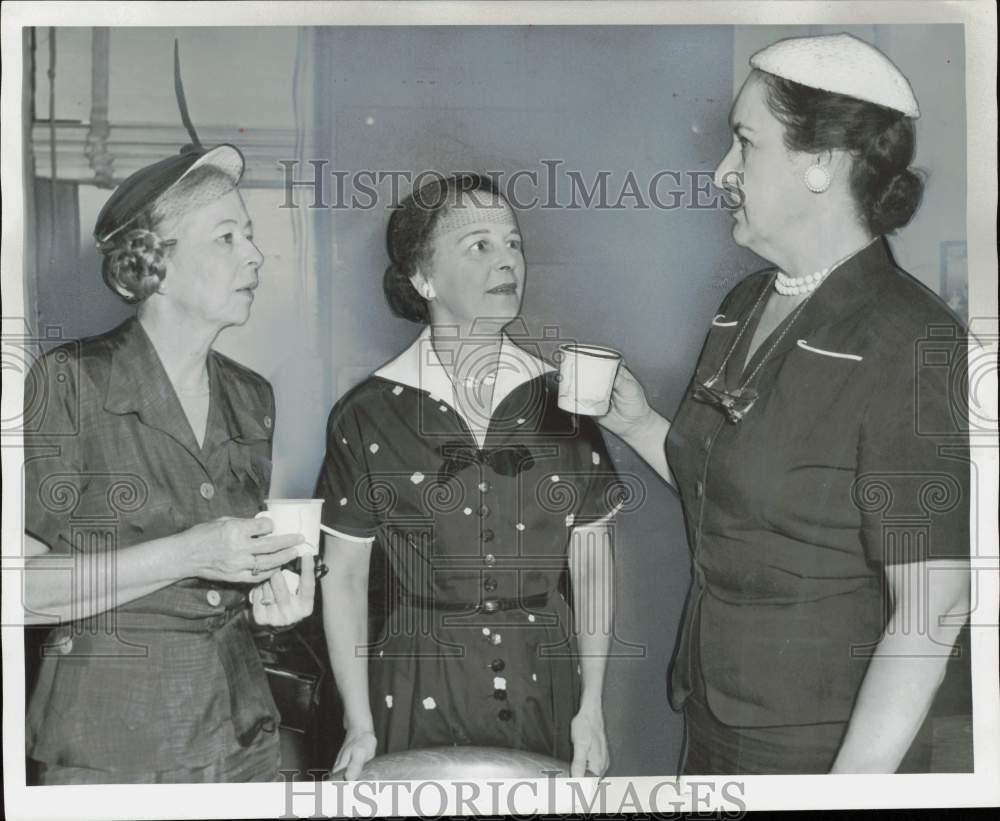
(138, 384)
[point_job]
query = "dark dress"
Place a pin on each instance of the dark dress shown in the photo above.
(853, 457)
(169, 686)
(464, 526)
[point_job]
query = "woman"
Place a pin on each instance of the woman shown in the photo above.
(147, 457)
(812, 451)
(455, 456)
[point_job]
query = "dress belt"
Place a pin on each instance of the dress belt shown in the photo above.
(535, 602)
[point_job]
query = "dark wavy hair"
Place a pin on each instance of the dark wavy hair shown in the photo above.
(408, 237)
(880, 140)
(135, 259)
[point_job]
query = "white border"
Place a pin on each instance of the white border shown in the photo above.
(806, 792)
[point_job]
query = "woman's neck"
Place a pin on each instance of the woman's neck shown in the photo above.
(467, 352)
(821, 248)
(182, 347)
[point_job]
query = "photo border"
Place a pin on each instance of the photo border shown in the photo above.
(981, 788)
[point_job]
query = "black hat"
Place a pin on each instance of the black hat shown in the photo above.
(149, 183)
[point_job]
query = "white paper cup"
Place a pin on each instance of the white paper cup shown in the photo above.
(296, 516)
(586, 378)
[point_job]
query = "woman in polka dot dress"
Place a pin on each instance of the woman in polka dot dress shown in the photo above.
(484, 495)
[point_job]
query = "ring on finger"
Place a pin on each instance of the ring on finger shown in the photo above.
(255, 570)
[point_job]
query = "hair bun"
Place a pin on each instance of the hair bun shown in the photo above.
(134, 264)
(403, 299)
(896, 203)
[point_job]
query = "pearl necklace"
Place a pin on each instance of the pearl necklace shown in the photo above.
(794, 286)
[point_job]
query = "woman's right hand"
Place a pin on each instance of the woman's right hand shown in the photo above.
(630, 411)
(239, 550)
(357, 750)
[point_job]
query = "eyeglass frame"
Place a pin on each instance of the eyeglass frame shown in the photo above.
(735, 405)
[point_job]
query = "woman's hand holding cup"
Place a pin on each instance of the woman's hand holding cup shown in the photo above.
(275, 604)
(240, 550)
(630, 410)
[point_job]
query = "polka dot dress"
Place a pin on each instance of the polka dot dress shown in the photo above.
(476, 644)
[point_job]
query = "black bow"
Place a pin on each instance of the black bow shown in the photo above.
(507, 460)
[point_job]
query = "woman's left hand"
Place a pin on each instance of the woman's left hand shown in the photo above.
(274, 605)
(590, 744)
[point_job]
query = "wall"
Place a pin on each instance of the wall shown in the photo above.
(223, 68)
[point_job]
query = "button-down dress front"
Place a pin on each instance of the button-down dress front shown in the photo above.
(171, 680)
(853, 457)
(468, 530)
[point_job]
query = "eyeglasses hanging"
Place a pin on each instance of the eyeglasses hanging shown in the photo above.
(736, 404)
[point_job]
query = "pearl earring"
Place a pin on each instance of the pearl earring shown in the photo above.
(427, 292)
(817, 178)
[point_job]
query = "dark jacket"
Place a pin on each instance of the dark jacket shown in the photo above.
(853, 456)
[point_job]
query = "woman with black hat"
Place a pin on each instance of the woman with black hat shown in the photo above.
(823, 476)
(147, 458)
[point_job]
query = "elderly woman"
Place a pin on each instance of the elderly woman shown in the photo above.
(481, 491)
(147, 457)
(816, 630)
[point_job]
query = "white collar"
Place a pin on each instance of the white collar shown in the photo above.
(419, 367)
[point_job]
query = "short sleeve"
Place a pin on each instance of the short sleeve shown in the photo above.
(913, 480)
(351, 498)
(603, 492)
(54, 476)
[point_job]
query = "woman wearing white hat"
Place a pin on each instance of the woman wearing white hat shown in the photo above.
(823, 476)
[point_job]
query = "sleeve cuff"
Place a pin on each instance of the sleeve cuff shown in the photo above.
(347, 537)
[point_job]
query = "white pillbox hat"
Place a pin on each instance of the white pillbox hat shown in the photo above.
(842, 64)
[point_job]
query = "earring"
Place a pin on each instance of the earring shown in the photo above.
(817, 178)
(427, 292)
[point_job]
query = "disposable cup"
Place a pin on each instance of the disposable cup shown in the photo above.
(586, 378)
(293, 516)
(296, 516)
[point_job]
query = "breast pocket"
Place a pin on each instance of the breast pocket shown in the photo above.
(250, 462)
(804, 345)
(825, 386)
(250, 477)
(823, 371)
